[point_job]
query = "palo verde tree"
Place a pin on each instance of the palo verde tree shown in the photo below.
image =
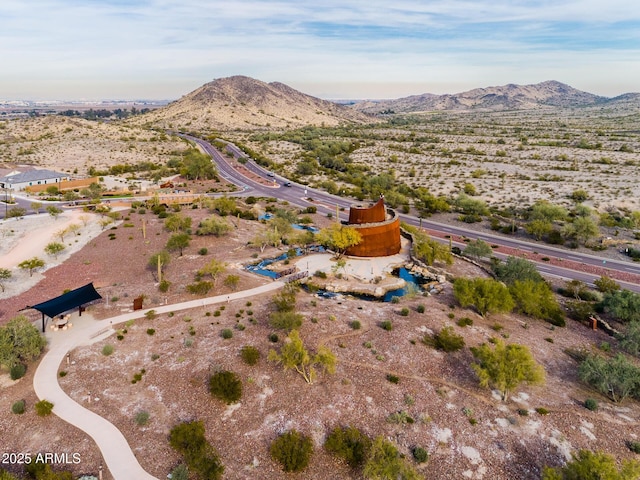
(339, 238)
(31, 265)
(504, 367)
(485, 294)
(617, 377)
(294, 356)
(478, 249)
(178, 241)
(214, 268)
(587, 465)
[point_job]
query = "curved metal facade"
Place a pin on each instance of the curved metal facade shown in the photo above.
(380, 235)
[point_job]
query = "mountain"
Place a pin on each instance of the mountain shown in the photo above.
(507, 97)
(245, 103)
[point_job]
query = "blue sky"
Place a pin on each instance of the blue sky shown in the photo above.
(163, 49)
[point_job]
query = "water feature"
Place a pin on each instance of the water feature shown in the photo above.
(414, 284)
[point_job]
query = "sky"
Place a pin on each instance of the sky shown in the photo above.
(346, 49)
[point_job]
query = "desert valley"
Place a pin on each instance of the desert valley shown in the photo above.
(233, 368)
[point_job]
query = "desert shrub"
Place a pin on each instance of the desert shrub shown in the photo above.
(393, 378)
(447, 341)
(542, 411)
(200, 288)
(226, 386)
(181, 472)
(386, 325)
(203, 251)
(386, 462)
(285, 320)
(17, 371)
(591, 404)
(292, 450)
(420, 308)
(188, 439)
(420, 455)
(62, 373)
(592, 465)
(151, 331)
(400, 418)
(43, 408)
(273, 337)
(350, 444)
(164, 285)
(355, 324)
(107, 350)
(395, 300)
(142, 418)
(18, 407)
(250, 354)
(634, 446)
(226, 333)
(404, 312)
(464, 322)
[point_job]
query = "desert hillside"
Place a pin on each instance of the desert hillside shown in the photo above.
(243, 103)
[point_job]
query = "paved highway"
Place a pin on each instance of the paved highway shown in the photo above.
(297, 194)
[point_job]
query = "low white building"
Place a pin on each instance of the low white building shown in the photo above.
(20, 180)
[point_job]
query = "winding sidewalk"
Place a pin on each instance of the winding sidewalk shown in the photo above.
(118, 456)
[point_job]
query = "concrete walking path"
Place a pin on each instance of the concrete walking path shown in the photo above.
(114, 447)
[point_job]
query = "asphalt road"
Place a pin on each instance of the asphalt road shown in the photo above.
(296, 194)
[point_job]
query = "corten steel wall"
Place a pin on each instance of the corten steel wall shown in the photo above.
(378, 240)
(373, 214)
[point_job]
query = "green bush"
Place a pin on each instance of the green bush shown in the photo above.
(188, 439)
(464, 322)
(285, 320)
(142, 418)
(447, 341)
(591, 404)
(355, 324)
(164, 285)
(181, 472)
(107, 350)
(420, 308)
(420, 454)
(386, 325)
(200, 288)
(18, 407)
(226, 333)
(404, 312)
(273, 337)
(634, 446)
(226, 386)
(250, 354)
(17, 371)
(203, 251)
(350, 444)
(393, 378)
(151, 331)
(292, 450)
(43, 408)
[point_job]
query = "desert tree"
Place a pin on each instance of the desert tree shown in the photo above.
(31, 265)
(515, 268)
(214, 269)
(539, 228)
(478, 249)
(537, 300)
(54, 211)
(224, 206)
(623, 305)
(36, 206)
(294, 356)
(386, 463)
(176, 223)
(630, 339)
(197, 165)
(339, 238)
(232, 281)
(505, 367)
(178, 242)
(5, 274)
(605, 284)
(485, 294)
(213, 226)
(617, 377)
(292, 450)
(20, 342)
(587, 465)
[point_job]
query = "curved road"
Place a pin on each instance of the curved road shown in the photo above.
(297, 194)
(114, 447)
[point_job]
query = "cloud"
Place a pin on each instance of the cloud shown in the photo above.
(155, 42)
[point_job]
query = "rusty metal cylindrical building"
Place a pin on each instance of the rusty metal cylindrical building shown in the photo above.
(379, 228)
